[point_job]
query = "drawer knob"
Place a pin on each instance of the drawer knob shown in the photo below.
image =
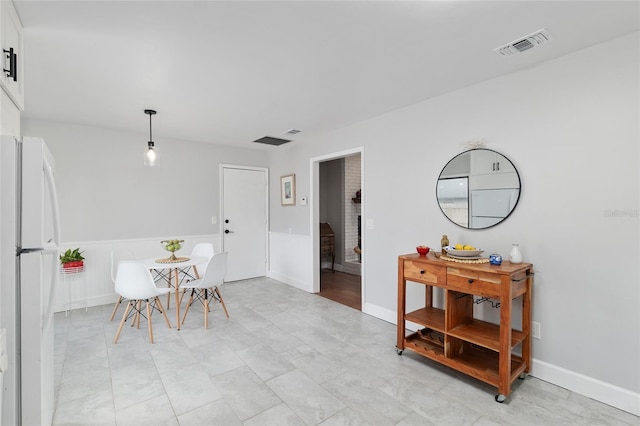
(421, 272)
(470, 281)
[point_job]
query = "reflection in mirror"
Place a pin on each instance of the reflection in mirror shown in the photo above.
(453, 196)
(478, 189)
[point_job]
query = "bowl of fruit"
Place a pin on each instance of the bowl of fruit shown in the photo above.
(173, 246)
(423, 250)
(463, 250)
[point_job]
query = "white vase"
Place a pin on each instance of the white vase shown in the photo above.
(515, 256)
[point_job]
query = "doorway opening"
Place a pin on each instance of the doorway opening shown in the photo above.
(337, 224)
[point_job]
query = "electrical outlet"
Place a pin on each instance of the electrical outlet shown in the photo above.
(536, 330)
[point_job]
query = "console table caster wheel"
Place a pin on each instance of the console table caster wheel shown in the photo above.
(399, 351)
(500, 398)
(522, 376)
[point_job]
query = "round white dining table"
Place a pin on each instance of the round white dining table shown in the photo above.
(174, 269)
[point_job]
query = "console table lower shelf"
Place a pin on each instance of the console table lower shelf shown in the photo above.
(496, 354)
(475, 361)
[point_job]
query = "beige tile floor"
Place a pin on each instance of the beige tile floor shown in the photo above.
(285, 357)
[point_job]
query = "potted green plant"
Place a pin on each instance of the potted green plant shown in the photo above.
(72, 258)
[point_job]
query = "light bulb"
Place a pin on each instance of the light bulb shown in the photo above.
(151, 155)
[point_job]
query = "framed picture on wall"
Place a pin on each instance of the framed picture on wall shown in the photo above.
(288, 190)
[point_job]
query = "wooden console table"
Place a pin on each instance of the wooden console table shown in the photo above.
(451, 335)
(327, 244)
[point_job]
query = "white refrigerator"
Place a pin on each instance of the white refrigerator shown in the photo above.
(491, 206)
(30, 234)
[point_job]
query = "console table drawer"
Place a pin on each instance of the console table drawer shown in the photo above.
(473, 282)
(326, 240)
(421, 272)
(326, 249)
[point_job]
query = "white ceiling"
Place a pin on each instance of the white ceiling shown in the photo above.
(232, 72)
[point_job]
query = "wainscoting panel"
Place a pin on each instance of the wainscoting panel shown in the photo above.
(94, 287)
(290, 260)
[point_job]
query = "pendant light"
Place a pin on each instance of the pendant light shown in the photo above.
(151, 152)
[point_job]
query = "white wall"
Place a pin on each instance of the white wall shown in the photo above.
(570, 127)
(9, 116)
(106, 193)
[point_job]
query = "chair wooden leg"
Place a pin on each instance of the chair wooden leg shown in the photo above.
(164, 314)
(149, 321)
(124, 318)
(184, 290)
(186, 311)
(221, 301)
(115, 308)
(203, 297)
(138, 308)
(206, 311)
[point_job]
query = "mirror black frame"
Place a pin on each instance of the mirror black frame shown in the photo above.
(469, 189)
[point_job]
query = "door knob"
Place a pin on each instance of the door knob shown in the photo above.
(226, 231)
(226, 221)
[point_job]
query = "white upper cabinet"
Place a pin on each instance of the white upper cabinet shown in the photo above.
(12, 79)
(492, 170)
(484, 161)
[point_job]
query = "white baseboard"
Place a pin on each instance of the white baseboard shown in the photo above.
(353, 268)
(92, 301)
(290, 281)
(592, 388)
(327, 265)
(606, 393)
(378, 312)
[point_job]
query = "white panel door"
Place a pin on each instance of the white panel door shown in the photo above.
(244, 222)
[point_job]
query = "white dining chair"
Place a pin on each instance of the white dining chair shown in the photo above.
(199, 250)
(135, 283)
(118, 255)
(203, 250)
(207, 287)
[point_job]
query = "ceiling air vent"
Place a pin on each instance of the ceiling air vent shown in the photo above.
(525, 43)
(269, 140)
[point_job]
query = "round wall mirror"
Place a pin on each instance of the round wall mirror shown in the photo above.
(478, 189)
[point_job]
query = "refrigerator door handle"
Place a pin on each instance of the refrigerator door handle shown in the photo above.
(48, 173)
(49, 310)
(52, 247)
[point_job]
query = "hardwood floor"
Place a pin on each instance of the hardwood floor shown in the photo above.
(342, 288)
